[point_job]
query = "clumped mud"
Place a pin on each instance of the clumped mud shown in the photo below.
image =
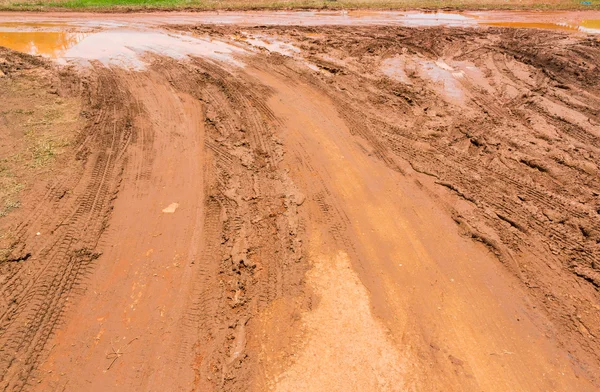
(499, 127)
(512, 152)
(253, 233)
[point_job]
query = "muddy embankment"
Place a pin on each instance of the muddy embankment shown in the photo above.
(426, 201)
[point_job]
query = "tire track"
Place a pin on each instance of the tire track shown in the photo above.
(41, 290)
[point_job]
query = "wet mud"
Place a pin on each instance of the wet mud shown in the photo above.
(304, 207)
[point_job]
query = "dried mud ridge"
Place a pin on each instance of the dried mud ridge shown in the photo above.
(512, 153)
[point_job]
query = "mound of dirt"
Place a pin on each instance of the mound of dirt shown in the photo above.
(12, 62)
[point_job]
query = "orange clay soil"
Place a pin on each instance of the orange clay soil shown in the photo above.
(382, 208)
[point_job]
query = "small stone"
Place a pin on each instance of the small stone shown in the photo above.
(171, 208)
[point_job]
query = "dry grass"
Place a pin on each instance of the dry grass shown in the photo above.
(36, 127)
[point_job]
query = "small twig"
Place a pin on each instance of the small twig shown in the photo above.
(505, 352)
(116, 354)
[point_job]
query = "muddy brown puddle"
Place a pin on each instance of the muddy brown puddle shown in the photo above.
(120, 39)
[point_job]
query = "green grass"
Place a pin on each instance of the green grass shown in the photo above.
(145, 5)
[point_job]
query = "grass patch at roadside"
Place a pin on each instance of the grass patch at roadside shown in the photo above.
(10, 189)
(36, 127)
(208, 5)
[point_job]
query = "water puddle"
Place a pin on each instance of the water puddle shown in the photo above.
(117, 46)
(52, 44)
(590, 26)
(427, 19)
(126, 48)
(534, 25)
(442, 74)
(574, 21)
(437, 72)
(272, 45)
(395, 69)
(122, 40)
(585, 21)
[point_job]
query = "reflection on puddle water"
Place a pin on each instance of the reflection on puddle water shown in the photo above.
(122, 40)
(126, 47)
(533, 25)
(437, 19)
(461, 20)
(410, 18)
(395, 69)
(586, 26)
(442, 74)
(116, 47)
(272, 45)
(437, 72)
(534, 21)
(591, 26)
(45, 43)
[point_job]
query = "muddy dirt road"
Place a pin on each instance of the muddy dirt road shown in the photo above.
(301, 208)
